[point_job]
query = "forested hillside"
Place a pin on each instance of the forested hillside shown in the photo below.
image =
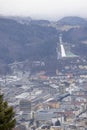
(22, 39)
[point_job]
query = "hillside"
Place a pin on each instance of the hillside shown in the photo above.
(77, 37)
(22, 39)
(73, 21)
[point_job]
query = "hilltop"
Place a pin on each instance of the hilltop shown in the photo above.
(73, 21)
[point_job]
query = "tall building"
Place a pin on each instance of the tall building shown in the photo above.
(25, 105)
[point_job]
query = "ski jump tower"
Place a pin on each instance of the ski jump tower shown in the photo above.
(61, 52)
(60, 48)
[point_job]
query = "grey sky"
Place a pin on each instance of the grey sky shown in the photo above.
(46, 9)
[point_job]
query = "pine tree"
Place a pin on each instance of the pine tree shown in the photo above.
(7, 121)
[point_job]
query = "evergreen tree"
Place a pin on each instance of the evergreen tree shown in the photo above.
(7, 121)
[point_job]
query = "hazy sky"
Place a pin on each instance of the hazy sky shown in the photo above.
(45, 9)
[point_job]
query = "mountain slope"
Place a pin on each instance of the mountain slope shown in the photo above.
(73, 21)
(36, 40)
(22, 41)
